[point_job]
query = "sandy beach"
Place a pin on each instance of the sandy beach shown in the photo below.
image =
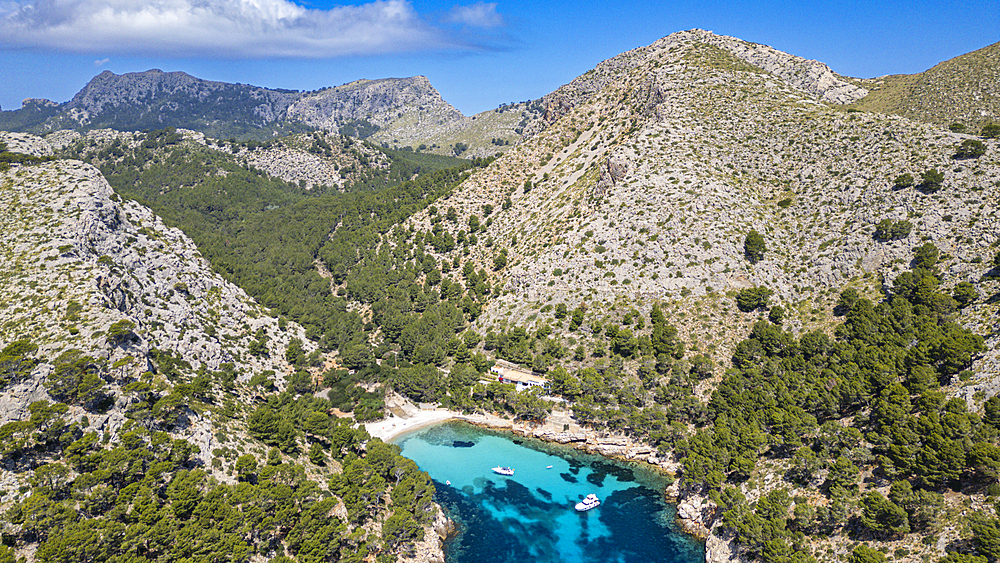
(395, 425)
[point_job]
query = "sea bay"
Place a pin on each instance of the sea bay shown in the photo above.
(530, 516)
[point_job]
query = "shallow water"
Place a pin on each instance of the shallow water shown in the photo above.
(529, 517)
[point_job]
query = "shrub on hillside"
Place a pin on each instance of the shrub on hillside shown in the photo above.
(931, 180)
(887, 229)
(754, 247)
(776, 315)
(904, 180)
(964, 293)
(753, 298)
(970, 148)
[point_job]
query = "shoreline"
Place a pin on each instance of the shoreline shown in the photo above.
(608, 445)
(393, 426)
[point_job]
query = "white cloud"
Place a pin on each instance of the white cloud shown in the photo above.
(221, 28)
(102, 62)
(480, 14)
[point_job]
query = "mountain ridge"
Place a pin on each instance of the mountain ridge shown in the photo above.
(396, 112)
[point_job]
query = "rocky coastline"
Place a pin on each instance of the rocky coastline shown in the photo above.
(431, 548)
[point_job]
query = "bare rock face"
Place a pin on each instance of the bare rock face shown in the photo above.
(144, 90)
(25, 144)
(79, 261)
(15, 399)
(697, 515)
(556, 106)
(720, 549)
(431, 548)
(614, 168)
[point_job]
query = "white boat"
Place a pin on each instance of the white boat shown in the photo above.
(590, 501)
(503, 471)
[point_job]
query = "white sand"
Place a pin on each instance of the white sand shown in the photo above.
(394, 425)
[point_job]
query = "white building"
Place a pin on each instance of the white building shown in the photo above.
(507, 372)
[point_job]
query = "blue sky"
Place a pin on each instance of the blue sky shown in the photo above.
(477, 54)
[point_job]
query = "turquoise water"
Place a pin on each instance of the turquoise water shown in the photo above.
(529, 517)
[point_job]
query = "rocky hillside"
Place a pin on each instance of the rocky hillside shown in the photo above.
(645, 190)
(963, 90)
(91, 272)
(310, 160)
(391, 108)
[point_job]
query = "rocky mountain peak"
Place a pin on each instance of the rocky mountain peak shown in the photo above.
(387, 103)
(110, 89)
(811, 77)
(140, 95)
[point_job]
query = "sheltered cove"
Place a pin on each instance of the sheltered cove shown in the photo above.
(695, 514)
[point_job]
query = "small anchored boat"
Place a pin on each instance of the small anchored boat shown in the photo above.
(503, 471)
(588, 502)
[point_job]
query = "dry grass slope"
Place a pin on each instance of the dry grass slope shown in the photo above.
(965, 89)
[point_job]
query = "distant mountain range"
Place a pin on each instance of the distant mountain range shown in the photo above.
(397, 112)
